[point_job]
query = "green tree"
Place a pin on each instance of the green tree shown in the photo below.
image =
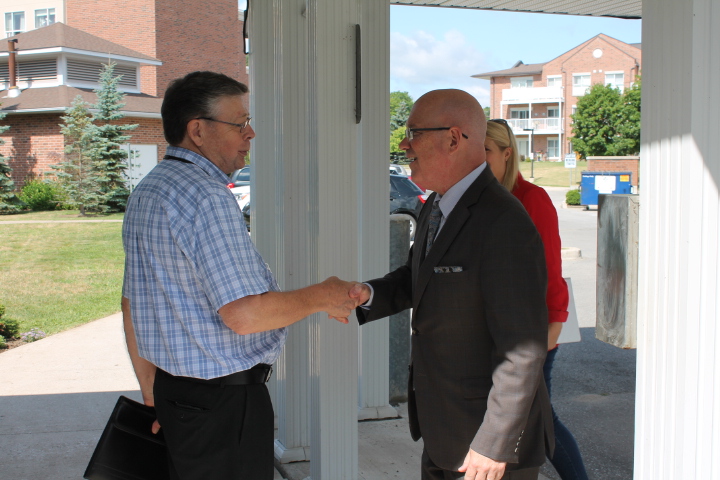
(78, 174)
(9, 202)
(607, 123)
(400, 105)
(487, 112)
(110, 161)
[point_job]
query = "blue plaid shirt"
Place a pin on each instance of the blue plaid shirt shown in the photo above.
(188, 253)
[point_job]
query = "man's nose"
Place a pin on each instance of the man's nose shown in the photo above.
(404, 144)
(249, 132)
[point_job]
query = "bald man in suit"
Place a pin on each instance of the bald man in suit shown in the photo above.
(475, 279)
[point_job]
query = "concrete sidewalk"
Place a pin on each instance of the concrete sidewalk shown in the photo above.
(57, 393)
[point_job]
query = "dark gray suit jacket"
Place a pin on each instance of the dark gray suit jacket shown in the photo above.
(479, 335)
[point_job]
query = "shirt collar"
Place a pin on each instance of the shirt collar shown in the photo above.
(453, 195)
(206, 165)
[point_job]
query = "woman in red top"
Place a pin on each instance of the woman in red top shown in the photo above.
(504, 162)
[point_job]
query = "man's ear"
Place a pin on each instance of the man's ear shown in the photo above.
(195, 132)
(456, 133)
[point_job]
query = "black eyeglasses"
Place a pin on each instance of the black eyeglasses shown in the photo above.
(241, 125)
(410, 132)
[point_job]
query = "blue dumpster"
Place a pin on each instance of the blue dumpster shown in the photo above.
(593, 184)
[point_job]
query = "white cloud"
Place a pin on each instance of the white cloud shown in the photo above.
(421, 62)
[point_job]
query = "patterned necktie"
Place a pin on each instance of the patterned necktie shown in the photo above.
(433, 225)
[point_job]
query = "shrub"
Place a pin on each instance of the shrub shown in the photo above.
(3, 343)
(572, 197)
(9, 328)
(39, 195)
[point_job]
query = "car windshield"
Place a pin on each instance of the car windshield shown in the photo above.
(405, 186)
(242, 175)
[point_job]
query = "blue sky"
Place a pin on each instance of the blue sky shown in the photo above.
(434, 47)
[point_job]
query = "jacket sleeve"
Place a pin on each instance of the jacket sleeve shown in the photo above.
(392, 294)
(544, 216)
(513, 289)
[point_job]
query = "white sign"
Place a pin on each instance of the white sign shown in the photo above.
(570, 160)
(605, 183)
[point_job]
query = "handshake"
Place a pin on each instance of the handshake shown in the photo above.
(342, 297)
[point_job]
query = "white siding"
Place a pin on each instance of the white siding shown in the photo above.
(678, 380)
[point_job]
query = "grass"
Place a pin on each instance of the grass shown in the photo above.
(552, 174)
(56, 276)
(57, 215)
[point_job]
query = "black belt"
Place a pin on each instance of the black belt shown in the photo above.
(260, 373)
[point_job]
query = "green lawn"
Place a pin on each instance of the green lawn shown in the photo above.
(553, 174)
(59, 275)
(58, 215)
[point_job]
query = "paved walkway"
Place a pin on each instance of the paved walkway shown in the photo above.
(56, 395)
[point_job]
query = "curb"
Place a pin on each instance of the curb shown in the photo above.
(570, 253)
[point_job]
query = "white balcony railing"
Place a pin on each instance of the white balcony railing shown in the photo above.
(532, 95)
(540, 125)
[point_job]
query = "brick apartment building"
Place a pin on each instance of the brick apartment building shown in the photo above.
(538, 99)
(62, 44)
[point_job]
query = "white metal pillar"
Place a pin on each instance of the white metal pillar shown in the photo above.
(374, 381)
(678, 378)
(312, 162)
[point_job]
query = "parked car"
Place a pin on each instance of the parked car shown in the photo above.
(406, 198)
(240, 177)
(396, 170)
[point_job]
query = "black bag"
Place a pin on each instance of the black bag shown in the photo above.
(127, 449)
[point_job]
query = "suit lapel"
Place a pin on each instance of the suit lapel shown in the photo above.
(423, 268)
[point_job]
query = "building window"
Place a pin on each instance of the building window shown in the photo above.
(615, 79)
(554, 81)
(553, 113)
(581, 83)
(521, 82)
(44, 17)
(14, 23)
(553, 148)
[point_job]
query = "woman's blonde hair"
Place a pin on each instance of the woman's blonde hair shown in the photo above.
(501, 133)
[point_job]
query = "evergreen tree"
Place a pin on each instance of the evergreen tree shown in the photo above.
(78, 175)
(110, 161)
(9, 202)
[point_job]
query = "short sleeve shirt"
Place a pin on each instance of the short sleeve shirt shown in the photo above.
(188, 253)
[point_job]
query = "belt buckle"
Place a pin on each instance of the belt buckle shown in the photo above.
(268, 374)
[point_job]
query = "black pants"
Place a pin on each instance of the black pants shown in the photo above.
(430, 471)
(215, 432)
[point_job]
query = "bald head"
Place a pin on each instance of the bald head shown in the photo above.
(455, 144)
(457, 108)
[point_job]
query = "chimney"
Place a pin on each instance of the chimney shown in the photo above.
(13, 90)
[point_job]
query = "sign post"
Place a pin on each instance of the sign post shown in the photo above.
(570, 162)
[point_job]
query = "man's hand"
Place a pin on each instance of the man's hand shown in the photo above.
(360, 292)
(480, 467)
(339, 302)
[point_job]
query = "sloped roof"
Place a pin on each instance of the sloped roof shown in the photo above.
(61, 35)
(595, 8)
(519, 70)
(57, 99)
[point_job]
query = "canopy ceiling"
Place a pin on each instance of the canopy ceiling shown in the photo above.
(596, 8)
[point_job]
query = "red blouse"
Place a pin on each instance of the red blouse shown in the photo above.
(543, 214)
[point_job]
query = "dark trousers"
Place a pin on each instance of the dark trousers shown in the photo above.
(213, 431)
(430, 471)
(567, 459)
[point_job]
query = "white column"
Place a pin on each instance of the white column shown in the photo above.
(374, 146)
(283, 203)
(312, 163)
(678, 376)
